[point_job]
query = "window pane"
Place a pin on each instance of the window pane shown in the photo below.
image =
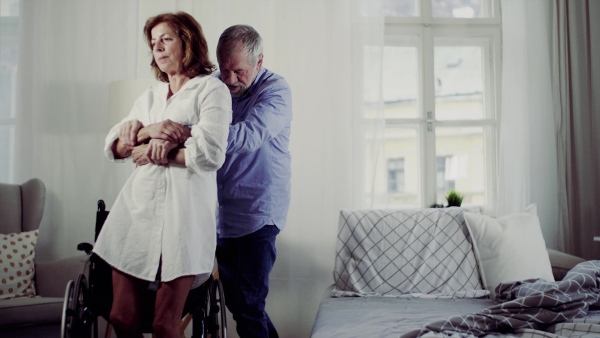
(458, 82)
(6, 142)
(461, 149)
(400, 8)
(401, 169)
(462, 9)
(400, 82)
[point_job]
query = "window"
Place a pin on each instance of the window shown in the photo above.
(443, 176)
(9, 47)
(439, 86)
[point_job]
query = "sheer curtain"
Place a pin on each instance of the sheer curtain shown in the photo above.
(72, 50)
(527, 170)
(69, 52)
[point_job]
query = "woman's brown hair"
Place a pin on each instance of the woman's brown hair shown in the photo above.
(195, 49)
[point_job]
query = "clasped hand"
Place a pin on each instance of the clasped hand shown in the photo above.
(155, 152)
(163, 137)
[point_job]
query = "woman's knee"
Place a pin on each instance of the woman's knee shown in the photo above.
(124, 323)
(164, 327)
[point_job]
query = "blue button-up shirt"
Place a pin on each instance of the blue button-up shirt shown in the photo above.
(254, 182)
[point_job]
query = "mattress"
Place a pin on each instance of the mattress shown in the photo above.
(384, 316)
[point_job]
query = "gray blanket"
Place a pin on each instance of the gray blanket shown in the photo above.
(529, 306)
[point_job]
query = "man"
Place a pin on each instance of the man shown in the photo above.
(254, 182)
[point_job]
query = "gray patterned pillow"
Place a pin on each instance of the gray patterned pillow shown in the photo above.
(416, 252)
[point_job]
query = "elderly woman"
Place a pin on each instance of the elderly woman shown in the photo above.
(162, 225)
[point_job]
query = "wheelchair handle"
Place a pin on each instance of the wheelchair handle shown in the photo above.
(87, 247)
(101, 206)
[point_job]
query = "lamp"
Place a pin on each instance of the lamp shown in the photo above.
(122, 94)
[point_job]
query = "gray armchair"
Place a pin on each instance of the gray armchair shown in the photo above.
(21, 209)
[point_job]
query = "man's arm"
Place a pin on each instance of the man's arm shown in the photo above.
(120, 150)
(264, 121)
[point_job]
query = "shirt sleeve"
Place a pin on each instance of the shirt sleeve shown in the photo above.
(271, 113)
(136, 113)
(205, 150)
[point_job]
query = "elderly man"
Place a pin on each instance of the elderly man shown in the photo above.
(254, 182)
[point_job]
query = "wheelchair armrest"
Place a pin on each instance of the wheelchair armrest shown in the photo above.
(87, 247)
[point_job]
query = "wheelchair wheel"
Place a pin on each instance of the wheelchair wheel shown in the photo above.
(216, 323)
(66, 312)
(77, 319)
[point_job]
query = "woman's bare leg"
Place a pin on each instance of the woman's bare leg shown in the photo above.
(125, 315)
(170, 299)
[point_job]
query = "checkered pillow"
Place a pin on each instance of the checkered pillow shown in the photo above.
(417, 252)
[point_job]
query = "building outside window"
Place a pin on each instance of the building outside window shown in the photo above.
(395, 175)
(439, 82)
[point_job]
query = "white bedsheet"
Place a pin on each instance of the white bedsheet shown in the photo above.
(376, 317)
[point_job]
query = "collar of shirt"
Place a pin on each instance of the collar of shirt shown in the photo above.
(250, 91)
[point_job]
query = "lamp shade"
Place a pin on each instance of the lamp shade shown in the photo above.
(122, 94)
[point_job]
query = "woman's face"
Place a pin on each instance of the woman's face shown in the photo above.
(167, 48)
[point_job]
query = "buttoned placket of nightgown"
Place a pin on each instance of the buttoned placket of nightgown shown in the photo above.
(162, 186)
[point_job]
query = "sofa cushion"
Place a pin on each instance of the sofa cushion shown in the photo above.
(28, 311)
(17, 253)
(562, 263)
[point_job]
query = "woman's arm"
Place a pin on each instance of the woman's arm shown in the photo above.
(165, 130)
(205, 150)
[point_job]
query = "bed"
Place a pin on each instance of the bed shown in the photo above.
(452, 272)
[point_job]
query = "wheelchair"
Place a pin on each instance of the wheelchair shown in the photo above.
(88, 298)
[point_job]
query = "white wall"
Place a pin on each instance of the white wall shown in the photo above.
(71, 56)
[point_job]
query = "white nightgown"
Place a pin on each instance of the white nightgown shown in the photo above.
(170, 210)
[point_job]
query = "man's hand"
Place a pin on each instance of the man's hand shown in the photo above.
(128, 133)
(138, 155)
(165, 130)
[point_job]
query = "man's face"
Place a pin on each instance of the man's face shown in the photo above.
(236, 71)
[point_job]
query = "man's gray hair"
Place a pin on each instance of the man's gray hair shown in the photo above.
(248, 36)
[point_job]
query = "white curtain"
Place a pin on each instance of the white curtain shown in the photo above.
(72, 50)
(527, 171)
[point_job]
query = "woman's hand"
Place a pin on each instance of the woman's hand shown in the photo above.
(158, 150)
(128, 133)
(165, 130)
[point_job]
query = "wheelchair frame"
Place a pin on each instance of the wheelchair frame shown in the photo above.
(88, 298)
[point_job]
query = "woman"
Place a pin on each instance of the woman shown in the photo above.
(162, 225)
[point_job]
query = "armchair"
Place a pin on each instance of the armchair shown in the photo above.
(21, 210)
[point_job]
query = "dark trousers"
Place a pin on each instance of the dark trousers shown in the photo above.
(244, 267)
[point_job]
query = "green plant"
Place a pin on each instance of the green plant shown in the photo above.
(435, 205)
(454, 199)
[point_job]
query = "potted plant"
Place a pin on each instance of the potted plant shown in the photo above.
(454, 198)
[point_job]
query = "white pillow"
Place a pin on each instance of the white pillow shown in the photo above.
(509, 248)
